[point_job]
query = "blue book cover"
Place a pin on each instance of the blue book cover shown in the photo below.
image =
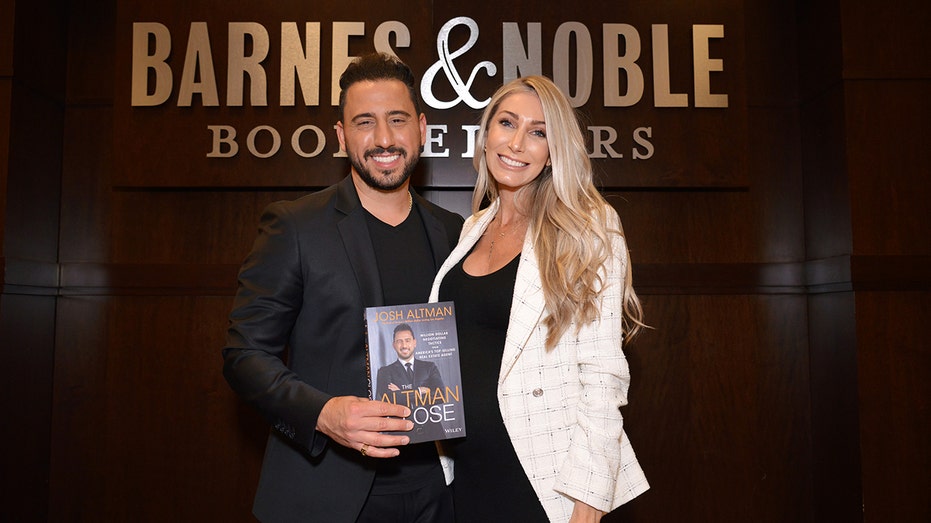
(413, 360)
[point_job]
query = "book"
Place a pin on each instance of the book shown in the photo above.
(424, 335)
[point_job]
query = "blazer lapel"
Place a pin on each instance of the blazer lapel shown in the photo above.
(436, 234)
(471, 232)
(355, 235)
(527, 304)
(527, 309)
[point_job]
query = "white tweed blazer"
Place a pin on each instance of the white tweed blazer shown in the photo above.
(561, 407)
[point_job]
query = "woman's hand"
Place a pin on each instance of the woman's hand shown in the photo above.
(583, 513)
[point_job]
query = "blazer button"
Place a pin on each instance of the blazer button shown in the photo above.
(537, 393)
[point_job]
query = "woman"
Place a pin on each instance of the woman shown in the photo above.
(542, 288)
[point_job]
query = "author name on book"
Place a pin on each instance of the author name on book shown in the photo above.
(420, 312)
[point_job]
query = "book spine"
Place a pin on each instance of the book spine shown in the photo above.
(368, 357)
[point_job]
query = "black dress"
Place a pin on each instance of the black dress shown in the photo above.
(490, 484)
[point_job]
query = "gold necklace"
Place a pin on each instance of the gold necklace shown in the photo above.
(502, 234)
(410, 201)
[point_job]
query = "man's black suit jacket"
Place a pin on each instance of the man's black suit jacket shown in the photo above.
(296, 339)
(426, 374)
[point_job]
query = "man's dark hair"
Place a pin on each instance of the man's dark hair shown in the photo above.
(377, 66)
(403, 327)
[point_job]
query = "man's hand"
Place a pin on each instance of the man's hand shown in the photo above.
(357, 423)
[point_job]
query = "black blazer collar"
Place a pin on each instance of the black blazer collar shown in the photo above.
(436, 231)
(358, 243)
(355, 234)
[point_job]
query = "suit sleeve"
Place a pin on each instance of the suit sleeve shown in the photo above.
(434, 380)
(591, 469)
(267, 302)
(381, 382)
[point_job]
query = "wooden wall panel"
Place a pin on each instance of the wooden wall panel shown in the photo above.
(894, 359)
(187, 227)
(687, 227)
(888, 159)
(718, 416)
(32, 115)
(885, 43)
(86, 214)
(179, 445)
(7, 23)
(78, 451)
(836, 480)
(27, 348)
(34, 178)
(886, 110)
(837, 494)
(827, 192)
(91, 65)
(6, 97)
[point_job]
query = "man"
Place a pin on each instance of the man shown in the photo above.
(295, 346)
(407, 374)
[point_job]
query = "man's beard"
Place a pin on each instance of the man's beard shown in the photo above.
(382, 180)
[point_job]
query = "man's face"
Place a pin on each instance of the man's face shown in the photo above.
(381, 133)
(404, 344)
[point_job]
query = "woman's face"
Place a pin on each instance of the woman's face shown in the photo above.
(516, 150)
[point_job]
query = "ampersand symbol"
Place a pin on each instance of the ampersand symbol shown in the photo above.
(445, 63)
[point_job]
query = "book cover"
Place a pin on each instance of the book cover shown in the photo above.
(413, 360)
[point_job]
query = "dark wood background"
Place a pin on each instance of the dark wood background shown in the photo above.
(786, 378)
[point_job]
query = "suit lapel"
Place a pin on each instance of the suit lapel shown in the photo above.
(355, 235)
(436, 233)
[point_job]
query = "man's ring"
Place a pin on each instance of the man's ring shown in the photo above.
(362, 449)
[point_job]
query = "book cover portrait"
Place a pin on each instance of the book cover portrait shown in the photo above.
(413, 359)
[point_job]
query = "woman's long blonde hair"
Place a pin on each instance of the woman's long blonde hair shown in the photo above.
(568, 216)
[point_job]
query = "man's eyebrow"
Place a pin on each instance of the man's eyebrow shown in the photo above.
(362, 116)
(396, 112)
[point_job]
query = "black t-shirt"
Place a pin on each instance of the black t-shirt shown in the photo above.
(406, 267)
